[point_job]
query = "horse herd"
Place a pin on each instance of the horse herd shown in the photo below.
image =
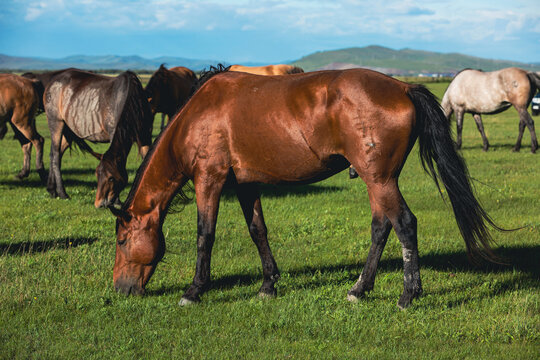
(234, 128)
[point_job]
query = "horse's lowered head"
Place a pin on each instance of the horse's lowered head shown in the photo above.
(111, 180)
(140, 245)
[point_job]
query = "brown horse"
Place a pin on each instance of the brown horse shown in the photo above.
(19, 100)
(168, 90)
(478, 92)
(97, 108)
(280, 69)
(240, 129)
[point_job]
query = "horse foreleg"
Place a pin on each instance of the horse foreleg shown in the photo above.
(163, 115)
(249, 198)
(55, 186)
(480, 126)
(207, 192)
(26, 147)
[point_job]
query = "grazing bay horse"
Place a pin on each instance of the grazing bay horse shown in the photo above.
(477, 92)
(240, 129)
(280, 69)
(97, 108)
(19, 101)
(168, 90)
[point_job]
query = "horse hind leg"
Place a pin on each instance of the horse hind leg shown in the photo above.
(248, 196)
(459, 126)
(389, 208)
(480, 126)
(525, 119)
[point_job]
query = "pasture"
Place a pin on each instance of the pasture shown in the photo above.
(56, 257)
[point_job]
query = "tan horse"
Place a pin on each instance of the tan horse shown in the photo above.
(19, 100)
(280, 69)
(477, 92)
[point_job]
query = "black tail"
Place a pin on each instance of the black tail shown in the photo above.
(437, 146)
(136, 120)
(83, 146)
(534, 78)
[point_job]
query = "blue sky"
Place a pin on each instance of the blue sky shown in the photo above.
(267, 30)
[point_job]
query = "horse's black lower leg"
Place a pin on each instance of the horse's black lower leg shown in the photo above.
(55, 186)
(380, 229)
(352, 172)
(459, 126)
(529, 122)
(201, 280)
(405, 227)
(248, 196)
(480, 126)
(526, 120)
(207, 195)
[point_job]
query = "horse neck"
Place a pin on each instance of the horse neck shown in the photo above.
(158, 179)
(119, 149)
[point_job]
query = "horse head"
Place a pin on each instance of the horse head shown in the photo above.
(155, 88)
(111, 180)
(140, 245)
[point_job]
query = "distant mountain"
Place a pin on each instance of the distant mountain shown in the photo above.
(396, 62)
(402, 62)
(107, 62)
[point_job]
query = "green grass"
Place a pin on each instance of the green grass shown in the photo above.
(56, 259)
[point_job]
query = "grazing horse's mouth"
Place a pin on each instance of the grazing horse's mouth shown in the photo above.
(106, 203)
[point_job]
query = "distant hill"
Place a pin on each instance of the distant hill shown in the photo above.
(108, 62)
(396, 62)
(402, 62)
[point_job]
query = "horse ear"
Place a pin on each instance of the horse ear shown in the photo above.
(119, 213)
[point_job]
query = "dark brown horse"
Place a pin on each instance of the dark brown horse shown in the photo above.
(19, 101)
(240, 129)
(478, 92)
(168, 90)
(97, 108)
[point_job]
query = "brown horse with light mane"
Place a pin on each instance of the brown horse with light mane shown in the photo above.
(19, 101)
(240, 129)
(280, 69)
(168, 90)
(478, 92)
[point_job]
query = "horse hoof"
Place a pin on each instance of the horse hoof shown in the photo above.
(352, 298)
(186, 302)
(265, 295)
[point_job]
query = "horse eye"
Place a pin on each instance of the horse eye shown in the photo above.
(121, 242)
(111, 179)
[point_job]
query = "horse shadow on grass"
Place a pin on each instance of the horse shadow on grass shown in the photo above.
(33, 247)
(278, 191)
(523, 259)
(35, 183)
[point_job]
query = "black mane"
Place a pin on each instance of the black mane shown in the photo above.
(206, 75)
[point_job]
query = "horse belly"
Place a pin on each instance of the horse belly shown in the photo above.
(85, 117)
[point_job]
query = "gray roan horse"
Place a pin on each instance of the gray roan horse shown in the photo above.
(97, 108)
(477, 92)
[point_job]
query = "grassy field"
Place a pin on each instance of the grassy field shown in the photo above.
(56, 259)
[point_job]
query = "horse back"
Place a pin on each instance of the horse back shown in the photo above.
(294, 129)
(17, 93)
